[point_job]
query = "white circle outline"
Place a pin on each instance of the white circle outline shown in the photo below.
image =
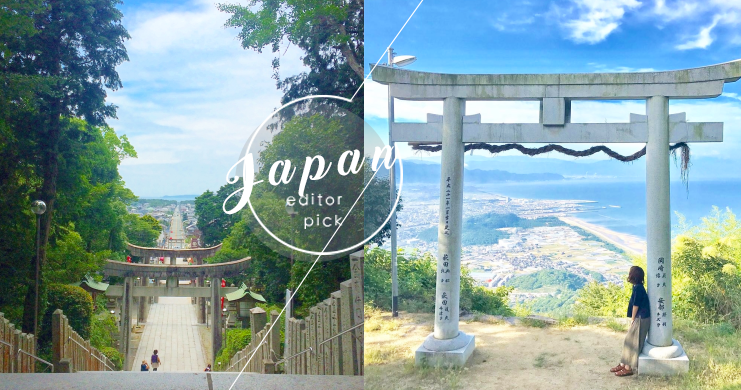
(398, 195)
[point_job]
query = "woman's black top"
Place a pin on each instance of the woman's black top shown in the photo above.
(639, 298)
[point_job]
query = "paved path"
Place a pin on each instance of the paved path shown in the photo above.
(172, 330)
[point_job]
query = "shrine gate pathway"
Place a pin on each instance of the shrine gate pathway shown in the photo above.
(172, 329)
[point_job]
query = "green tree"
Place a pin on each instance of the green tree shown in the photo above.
(329, 32)
(76, 47)
(706, 282)
(610, 300)
(213, 222)
(76, 304)
(417, 283)
(140, 230)
(67, 260)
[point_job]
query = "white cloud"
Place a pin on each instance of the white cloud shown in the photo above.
(191, 98)
(715, 110)
(675, 10)
(596, 19)
(602, 68)
(507, 22)
(376, 105)
(703, 39)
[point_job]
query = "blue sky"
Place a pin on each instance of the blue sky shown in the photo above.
(191, 97)
(567, 36)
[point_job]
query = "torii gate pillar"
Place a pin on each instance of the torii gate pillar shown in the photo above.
(215, 316)
(447, 345)
(661, 354)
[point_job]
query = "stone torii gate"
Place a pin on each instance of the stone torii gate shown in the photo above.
(555, 92)
(172, 274)
(198, 254)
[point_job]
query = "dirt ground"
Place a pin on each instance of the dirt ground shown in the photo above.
(506, 357)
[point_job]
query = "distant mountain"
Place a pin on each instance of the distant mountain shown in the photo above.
(430, 173)
(702, 167)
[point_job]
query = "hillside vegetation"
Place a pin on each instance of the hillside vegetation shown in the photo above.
(417, 285)
(706, 294)
(548, 277)
(482, 229)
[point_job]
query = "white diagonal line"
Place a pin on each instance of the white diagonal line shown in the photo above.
(384, 53)
(302, 280)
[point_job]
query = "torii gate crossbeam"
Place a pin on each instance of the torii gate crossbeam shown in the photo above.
(555, 92)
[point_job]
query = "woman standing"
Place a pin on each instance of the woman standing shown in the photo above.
(639, 311)
(155, 361)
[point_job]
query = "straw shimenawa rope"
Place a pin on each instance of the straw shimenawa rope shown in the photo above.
(494, 149)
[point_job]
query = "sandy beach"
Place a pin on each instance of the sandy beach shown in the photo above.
(627, 242)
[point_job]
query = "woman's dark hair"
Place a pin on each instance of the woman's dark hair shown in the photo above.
(155, 351)
(635, 275)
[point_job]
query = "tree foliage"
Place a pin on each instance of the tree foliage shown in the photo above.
(58, 59)
(706, 264)
(706, 282)
(417, 283)
(548, 277)
(329, 32)
(213, 222)
(77, 306)
(141, 231)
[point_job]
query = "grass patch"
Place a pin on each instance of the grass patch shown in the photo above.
(381, 324)
(377, 320)
(616, 326)
(533, 323)
(522, 310)
(715, 358)
(545, 360)
(376, 354)
(575, 320)
(408, 376)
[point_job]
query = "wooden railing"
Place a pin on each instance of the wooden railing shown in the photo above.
(265, 353)
(72, 353)
(17, 349)
(328, 342)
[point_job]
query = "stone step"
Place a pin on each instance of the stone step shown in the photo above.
(128, 380)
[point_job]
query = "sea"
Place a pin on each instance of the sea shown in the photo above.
(621, 205)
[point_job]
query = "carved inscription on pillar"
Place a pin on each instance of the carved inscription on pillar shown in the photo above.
(661, 309)
(443, 307)
(446, 229)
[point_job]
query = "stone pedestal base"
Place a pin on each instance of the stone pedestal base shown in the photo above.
(660, 361)
(440, 353)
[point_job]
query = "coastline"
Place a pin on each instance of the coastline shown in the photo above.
(627, 242)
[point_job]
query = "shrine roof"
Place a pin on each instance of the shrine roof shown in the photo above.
(243, 292)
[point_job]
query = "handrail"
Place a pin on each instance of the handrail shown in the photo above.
(237, 362)
(102, 361)
(81, 346)
(310, 349)
(88, 351)
(320, 344)
(37, 358)
(33, 356)
(341, 333)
